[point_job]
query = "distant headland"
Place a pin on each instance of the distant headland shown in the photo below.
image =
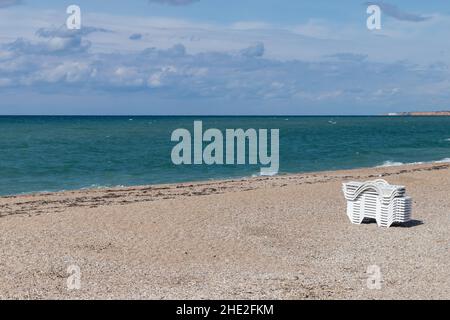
(422, 113)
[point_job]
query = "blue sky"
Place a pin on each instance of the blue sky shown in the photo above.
(223, 57)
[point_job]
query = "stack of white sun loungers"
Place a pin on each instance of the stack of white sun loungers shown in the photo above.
(377, 200)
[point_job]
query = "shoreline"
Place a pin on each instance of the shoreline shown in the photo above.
(280, 237)
(244, 183)
(387, 164)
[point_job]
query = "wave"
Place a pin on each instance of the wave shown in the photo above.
(100, 187)
(390, 163)
(262, 174)
(445, 160)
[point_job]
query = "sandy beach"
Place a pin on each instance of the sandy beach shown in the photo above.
(282, 237)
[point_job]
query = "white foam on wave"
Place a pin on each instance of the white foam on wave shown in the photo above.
(101, 187)
(445, 160)
(396, 164)
(269, 174)
(264, 174)
(390, 164)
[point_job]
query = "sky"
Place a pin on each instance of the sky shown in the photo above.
(234, 57)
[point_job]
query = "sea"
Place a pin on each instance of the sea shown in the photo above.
(56, 153)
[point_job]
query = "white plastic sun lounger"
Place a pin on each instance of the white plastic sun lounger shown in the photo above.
(377, 200)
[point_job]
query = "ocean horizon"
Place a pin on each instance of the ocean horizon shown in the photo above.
(58, 153)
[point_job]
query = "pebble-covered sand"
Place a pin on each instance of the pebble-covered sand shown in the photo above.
(283, 237)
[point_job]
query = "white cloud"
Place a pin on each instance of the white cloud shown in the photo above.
(397, 13)
(309, 41)
(179, 59)
(54, 45)
(69, 72)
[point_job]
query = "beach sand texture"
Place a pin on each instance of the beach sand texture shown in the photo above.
(282, 237)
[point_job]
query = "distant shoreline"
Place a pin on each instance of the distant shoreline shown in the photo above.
(216, 115)
(422, 114)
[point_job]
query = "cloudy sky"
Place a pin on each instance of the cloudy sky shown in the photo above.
(223, 57)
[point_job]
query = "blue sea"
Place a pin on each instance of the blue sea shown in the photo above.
(63, 153)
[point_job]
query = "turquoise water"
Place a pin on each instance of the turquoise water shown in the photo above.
(63, 153)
